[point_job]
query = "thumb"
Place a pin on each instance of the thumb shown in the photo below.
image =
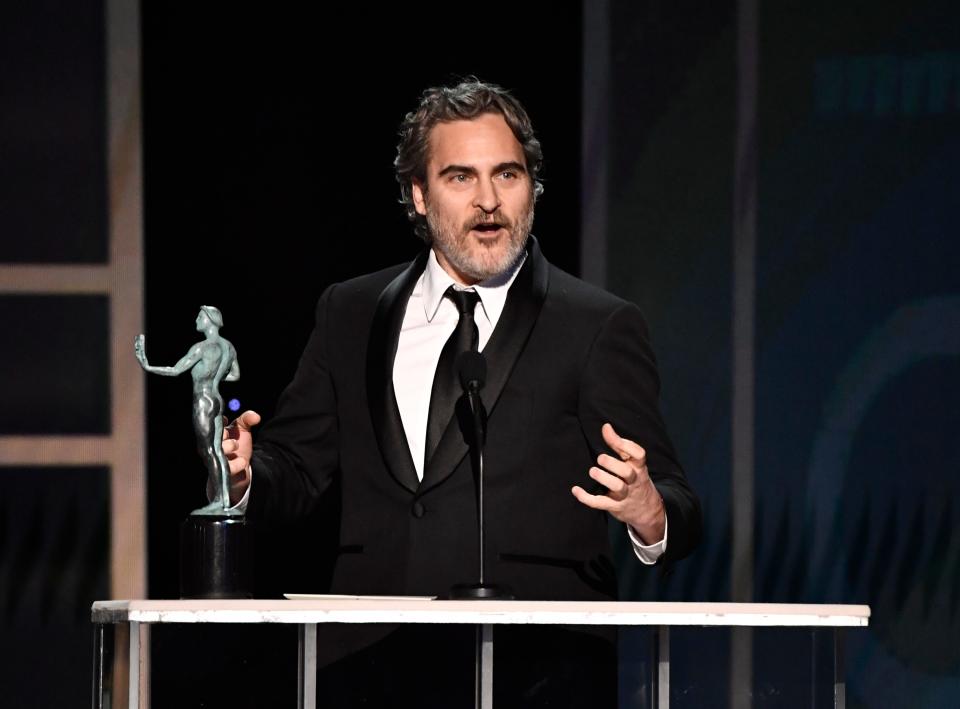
(247, 420)
(611, 437)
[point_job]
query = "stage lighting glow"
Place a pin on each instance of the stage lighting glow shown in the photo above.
(234, 404)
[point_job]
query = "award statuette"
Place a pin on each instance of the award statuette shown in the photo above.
(215, 544)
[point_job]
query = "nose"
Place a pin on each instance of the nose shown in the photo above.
(486, 197)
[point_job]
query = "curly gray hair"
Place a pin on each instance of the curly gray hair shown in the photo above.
(464, 101)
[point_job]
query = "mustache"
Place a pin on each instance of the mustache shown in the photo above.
(495, 218)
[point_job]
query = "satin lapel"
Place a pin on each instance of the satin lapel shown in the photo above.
(381, 352)
(519, 315)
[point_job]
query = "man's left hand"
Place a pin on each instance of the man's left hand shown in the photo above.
(631, 496)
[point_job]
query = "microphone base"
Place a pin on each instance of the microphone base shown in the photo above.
(480, 592)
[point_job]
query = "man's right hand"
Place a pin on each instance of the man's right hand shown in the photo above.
(238, 449)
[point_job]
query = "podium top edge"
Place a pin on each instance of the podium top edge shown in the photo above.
(416, 610)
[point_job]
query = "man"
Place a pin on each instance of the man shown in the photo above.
(572, 401)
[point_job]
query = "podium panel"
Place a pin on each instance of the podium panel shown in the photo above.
(311, 614)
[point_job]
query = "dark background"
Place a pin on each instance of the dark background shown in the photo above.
(268, 140)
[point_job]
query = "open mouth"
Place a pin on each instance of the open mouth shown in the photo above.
(490, 228)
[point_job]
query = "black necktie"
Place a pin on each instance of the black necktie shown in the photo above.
(446, 389)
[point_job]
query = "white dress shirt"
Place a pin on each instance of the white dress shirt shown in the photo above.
(428, 322)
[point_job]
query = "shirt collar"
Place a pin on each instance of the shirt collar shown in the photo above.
(492, 292)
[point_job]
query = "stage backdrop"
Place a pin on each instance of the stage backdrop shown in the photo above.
(263, 135)
(856, 146)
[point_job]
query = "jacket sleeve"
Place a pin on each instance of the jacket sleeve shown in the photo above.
(620, 385)
(297, 454)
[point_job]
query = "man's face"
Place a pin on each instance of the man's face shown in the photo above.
(478, 197)
(203, 322)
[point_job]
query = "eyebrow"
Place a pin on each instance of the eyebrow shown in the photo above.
(510, 165)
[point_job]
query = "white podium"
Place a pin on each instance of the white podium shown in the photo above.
(309, 614)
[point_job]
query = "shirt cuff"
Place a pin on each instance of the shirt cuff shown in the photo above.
(647, 553)
(241, 506)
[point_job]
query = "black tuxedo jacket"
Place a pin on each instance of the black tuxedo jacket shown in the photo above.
(564, 358)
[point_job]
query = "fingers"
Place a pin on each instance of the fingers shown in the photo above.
(623, 477)
(233, 450)
(238, 466)
(623, 447)
(633, 458)
(240, 475)
(239, 462)
(597, 502)
(627, 470)
(631, 496)
(617, 487)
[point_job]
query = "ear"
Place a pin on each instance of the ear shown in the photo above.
(418, 192)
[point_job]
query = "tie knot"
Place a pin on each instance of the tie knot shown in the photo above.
(465, 300)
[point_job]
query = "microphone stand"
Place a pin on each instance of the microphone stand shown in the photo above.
(472, 368)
